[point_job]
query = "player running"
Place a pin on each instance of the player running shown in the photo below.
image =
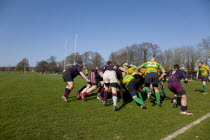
(175, 86)
(151, 77)
(204, 72)
(68, 77)
(110, 80)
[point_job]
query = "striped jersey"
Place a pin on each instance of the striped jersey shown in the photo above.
(151, 66)
(203, 70)
(132, 69)
(127, 79)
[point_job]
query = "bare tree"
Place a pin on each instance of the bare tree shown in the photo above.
(23, 65)
(71, 57)
(205, 49)
(52, 64)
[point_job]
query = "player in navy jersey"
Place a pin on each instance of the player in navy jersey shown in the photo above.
(175, 76)
(68, 77)
(110, 80)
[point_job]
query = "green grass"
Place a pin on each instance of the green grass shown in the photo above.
(31, 108)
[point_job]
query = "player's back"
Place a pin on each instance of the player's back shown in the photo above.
(152, 66)
(176, 75)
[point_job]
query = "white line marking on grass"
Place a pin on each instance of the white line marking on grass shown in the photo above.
(182, 130)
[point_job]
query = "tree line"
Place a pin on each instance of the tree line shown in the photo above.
(186, 56)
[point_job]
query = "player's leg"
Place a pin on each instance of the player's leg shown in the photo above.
(155, 85)
(162, 88)
(113, 85)
(148, 81)
(133, 92)
(172, 88)
(114, 95)
(184, 104)
(84, 91)
(106, 86)
(121, 91)
(101, 92)
(69, 85)
(79, 91)
(204, 79)
(68, 88)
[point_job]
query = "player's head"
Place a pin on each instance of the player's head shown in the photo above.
(80, 63)
(108, 63)
(176, 67)
(153, 59)
(200, 63)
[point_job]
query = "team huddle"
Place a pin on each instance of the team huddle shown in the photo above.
(133, 80)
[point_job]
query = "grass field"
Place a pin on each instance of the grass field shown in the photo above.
(31, 108)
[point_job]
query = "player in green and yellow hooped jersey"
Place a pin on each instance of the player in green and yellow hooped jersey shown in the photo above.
(151, 77)
(204, 72)
(133, 83)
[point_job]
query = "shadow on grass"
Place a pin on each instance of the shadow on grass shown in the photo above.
(201, 91)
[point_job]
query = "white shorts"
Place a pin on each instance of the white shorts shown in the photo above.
(110, 76)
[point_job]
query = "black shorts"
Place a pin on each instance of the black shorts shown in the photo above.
(133, 87)
(67, 77)
(151, 78)
(204, 78)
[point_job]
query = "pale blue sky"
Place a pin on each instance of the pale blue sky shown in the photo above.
(37, 29)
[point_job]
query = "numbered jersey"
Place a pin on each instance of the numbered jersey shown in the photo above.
(127, 79)
(176, 75)
(151, 66)
(203, 70)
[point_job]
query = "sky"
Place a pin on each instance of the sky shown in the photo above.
(38, 29)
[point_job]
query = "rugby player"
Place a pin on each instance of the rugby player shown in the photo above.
(96, 80)
(110, 80)
(151, 77)
(68, 77)
(175, 86)
(134, 82)
(204, 72)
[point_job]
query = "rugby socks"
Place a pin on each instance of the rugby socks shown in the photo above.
(67, 92)
(175, 98)
(84, 94)
(205, 88)
(102, 91)
(105, 95)
(183, 108)
(114, 98)
(140, 99)
(157, 95)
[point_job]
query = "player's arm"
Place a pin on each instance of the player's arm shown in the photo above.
(101, 74)
(123, 69)
(83, 76)
(185, 77)
(79, 69)
(162, 70)
(163, 74)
